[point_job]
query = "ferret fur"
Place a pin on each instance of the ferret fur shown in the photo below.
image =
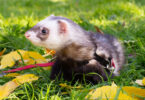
(75, 48)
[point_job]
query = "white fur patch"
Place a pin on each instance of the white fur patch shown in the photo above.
(92, 62)
(55, 40)
(34, 39)
(101, 51)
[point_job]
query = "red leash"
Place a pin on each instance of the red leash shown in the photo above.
(29, 66)
(40, 65)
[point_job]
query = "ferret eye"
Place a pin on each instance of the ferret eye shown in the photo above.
(44, 32)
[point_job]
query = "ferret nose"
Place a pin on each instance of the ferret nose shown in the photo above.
(27, 35)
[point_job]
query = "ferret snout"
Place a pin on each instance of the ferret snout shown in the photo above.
(27, 35)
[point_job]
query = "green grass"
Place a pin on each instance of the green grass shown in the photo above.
(125, 19)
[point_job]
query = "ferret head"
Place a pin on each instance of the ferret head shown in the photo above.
(54, 32)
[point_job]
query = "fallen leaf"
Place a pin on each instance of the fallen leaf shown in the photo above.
(7, 88)
(10, 86)
(141, 82)
(49, 52)
(25, 78)
(33, 57)
(55, 97)
(2, 52)
(29, 57)
(64, 85)
(47, 68)
(109, 93)
(134, 91)
(10, 58)
(69, 88)
(12, 75)
(98, 30)
(52, 52)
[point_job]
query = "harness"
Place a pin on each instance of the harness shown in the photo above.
(109, 64)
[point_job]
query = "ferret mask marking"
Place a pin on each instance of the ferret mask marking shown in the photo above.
(43, 34)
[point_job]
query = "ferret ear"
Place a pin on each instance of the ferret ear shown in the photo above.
(62, 27)
(52, 15)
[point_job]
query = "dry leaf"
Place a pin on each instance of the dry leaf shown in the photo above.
(9, 59)
(52, 52)
(49, 52)
(12, 75)
(7, 88)
(10, 86)
(98, 30)
(141, 82)
(2, 52)
(108, 93)
(25, 78)
(64, 85)
(47, 68)
(29, 57)
(134, 91)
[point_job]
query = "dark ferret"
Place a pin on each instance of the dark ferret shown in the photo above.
(80, 54)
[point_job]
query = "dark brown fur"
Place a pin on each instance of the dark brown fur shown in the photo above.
(72, 70)
(74, 51)
(75, 56)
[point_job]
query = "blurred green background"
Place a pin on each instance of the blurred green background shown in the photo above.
(124, 19)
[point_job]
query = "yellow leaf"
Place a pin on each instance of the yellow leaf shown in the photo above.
(10, 86)
(55, 97)
(25, 78)
(29, 57)
(64, 85)
(33, 57)
(47, 68)
(9, 59)
(113, 84)
(143, 81)
(134, 91)
(108, 93)
(2, 52)
(52, 52)
(7, 88)
(12, 75)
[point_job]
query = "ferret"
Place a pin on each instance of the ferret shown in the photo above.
(80, 55)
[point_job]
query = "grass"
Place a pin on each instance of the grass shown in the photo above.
(125, 19)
